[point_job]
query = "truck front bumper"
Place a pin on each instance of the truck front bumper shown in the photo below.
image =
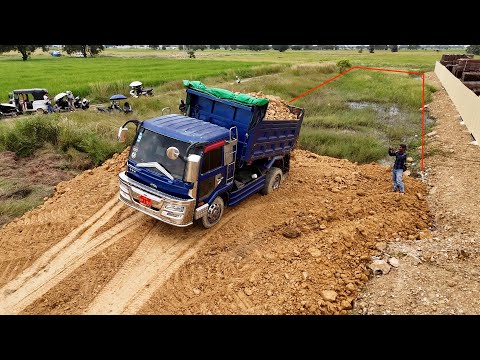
(162, 206)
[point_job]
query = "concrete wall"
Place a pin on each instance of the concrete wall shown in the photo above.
(465, 100)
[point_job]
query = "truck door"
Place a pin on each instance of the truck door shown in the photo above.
(212, 173)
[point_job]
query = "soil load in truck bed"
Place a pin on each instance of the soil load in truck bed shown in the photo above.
(277, 109)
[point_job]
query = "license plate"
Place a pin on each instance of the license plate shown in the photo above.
(145, 201)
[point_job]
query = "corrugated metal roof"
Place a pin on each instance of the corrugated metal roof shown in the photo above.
(186, 129)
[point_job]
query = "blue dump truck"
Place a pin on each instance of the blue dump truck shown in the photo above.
(186, 168)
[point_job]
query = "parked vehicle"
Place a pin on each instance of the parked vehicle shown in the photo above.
(186, 168)
(29, 100)
(61, 103)
(8, 110)
(136, 90)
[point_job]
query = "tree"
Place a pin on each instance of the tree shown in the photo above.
(25, 50)
(84, 49)
(413, 47)
(154, 47)
(214, 47)
(252, 47)
(280, 48)
(473, 49)
(196, 47)
(234, 47)
(371, 49)
(394, 48)
(180, 47)
(297, 47)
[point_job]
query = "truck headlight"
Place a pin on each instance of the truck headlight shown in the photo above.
(171, 214)
(176, 208)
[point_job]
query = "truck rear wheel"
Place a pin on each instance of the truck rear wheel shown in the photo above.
(214, 213)
(273, 180)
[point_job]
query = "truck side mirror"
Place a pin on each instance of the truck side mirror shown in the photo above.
(122, 134)
(172, 153)
(192, 168)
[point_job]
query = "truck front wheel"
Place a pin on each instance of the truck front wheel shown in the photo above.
(214, 213)
(273, 180)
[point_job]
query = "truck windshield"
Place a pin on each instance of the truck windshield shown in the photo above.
(151, 147)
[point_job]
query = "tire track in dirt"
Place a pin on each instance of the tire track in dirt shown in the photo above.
(185, 284)
(158, 257)
(63, 258)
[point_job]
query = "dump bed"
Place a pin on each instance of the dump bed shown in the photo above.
(257, 138)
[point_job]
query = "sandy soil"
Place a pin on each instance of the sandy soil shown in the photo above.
(307, 248)
(441, 274)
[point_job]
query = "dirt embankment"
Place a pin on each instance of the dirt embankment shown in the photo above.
(438, 275)
(302, 249)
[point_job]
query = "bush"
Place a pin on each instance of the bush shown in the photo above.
(343, 65)
(27, 135)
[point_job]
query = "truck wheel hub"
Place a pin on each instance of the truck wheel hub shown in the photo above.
(213, 212)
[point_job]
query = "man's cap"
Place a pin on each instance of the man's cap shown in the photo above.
(403, 146)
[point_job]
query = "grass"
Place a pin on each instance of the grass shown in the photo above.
(97, 140)
(16, 198)
(99, 78)
(417, 60)
(328, 117)
(362, 148)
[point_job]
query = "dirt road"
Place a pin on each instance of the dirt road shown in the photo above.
(302, 249)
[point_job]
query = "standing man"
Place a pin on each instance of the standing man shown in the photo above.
(398, 167)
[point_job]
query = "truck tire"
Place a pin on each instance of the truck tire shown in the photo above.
(273, 180)
(214, 214)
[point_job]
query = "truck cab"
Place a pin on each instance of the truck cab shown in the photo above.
(187, 167)
(175, 167)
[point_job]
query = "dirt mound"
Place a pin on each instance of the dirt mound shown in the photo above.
(277, 108)
(438, 275)
(83, 251)
(306, 254)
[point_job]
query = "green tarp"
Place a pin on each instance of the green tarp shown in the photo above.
(243, 99)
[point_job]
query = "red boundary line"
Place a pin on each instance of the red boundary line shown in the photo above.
(422, 167)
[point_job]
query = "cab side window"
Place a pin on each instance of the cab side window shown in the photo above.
(212, 160)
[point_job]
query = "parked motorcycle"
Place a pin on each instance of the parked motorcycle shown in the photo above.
(115, 105)
(84, 104)
(61, 103)
(137, 90)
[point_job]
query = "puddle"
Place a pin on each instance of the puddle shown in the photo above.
(382, 110)
(386, 112)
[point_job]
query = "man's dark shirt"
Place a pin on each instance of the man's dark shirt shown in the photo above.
(399, 159)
